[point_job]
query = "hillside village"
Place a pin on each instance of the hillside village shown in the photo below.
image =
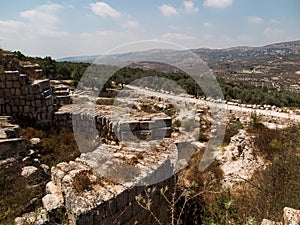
(66, 159)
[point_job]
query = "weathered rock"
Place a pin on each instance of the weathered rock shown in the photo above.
(45, 168)
(291, 216)
(40, 217)
(28, 171)
(269, 222)
(51, 188)
(35, 142)
(52, 202)
(238, 160)
(27, 218)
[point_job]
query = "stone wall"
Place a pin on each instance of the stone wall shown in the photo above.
(10, 142)
(19, 97)
(84, 120)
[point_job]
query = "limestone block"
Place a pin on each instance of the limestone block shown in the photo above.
(17, 102)
(8, 109)
(2, 77)
(14, 109)
(16, 84)
(29, 90)
(160, 133)
(18, 92)
(38, 103)
(8, 84)
(162, 122)
(35, 89)
(21, 109)
(6, 92)
(131, 125)
(127, 136)
(12, 91)
(24, 90)
(2, 84)
(26, 109)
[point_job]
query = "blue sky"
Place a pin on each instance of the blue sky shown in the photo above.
(68, 28)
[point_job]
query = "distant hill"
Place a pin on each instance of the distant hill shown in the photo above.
(275, 65)
(284, 48)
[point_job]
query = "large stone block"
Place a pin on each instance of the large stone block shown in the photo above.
(12, 91)
(24, 80)
(16, 84)
(160, 133)
(131, 125)
(162, 122)
(8, 84)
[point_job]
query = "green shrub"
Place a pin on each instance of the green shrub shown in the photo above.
(222, 211)
(177, 123)
(203, 137)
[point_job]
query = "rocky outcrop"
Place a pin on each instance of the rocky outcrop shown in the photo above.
(238, 160)
(290, 217)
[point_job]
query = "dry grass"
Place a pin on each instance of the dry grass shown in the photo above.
(56, 147)
(81, 180)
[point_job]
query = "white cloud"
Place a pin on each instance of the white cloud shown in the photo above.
(177, 37)
(44, 14)
(104, 10)
(175, 28)
(131, 24)
(255, 19)
(48, 33)
(274, 21)
(207, 24)
(10, 26)
(190, 7)
(217, 3)
(168, 10)
(43, 21)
